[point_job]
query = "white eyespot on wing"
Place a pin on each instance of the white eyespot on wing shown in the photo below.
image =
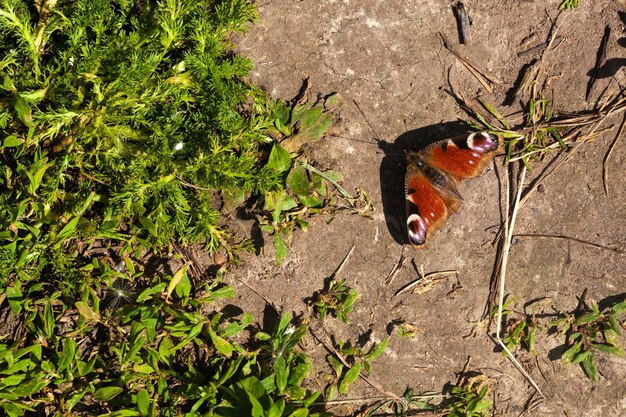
(416, 229)
(482, 142)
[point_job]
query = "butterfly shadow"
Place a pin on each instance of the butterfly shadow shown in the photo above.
(393, 170)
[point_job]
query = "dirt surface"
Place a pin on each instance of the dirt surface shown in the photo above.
(387, 58)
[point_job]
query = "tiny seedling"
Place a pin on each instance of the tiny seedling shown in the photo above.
(337, 299)
(349, 365)
(468, 398)
(590, 331)
(520, 329)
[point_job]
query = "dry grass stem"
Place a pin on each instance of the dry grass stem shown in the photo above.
(508, 236)
(375, 399)
(396, 268)
(605, 166)
(569, 238)
(425, 282)
(482, 76)
(342, 264)
(267, 300)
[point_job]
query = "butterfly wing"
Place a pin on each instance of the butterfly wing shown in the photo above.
(430, 195)
(463, 156)
(430, 183)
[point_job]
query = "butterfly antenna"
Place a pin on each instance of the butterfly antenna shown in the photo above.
(378, 139)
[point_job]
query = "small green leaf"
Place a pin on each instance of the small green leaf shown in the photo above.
(36, 172)
(281, 112)
(580, 356)
(176, 279)
(299, 372)
(298, 181)
(11, 141)
(349, 378)
(332, 100)
(67, 356)
(376, 350)
(589, 366)
(331, 392)
(267, 228)
(276, 410)
(225, 291)
(570, 353)
(23, 110)
(300, 412)
(612, 350)
(143, 402)
(310, 201)
(283, 128)
(619, 307)
(149, 225)
(283, 324)
(588, 318)
(221, 344)
(262, 336)
(183, 289)
(282, 373)
(280, 159)
(32, 386)
(107, 393)
(149, 292)
(74, 399)
(310, 117)
(280, 247)
(285, 203)
(68, 229)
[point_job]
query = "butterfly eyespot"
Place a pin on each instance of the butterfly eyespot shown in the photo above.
(482, 142)
(417, 229)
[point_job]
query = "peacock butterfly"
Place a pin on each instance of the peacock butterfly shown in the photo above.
(431, 177)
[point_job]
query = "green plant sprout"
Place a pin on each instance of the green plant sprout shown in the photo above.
(336, 299)
(568, 4)
(589, 332)
(468, 401)
(128, 132)
(349, 366)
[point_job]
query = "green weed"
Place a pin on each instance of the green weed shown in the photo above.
(336, 299)
(127, 131)
(350, 364)
(590, 331)
(468, 401)
(568, 4)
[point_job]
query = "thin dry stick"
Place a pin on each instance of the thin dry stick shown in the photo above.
(396, 268)
(574, 239)
(342, 264)
(605, 166)
(506, 249)
(482, 76)
(267, 300)
(375, 399)
(412, 284)
(190, 185)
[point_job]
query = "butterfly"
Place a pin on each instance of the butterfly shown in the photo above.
(432, 175)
